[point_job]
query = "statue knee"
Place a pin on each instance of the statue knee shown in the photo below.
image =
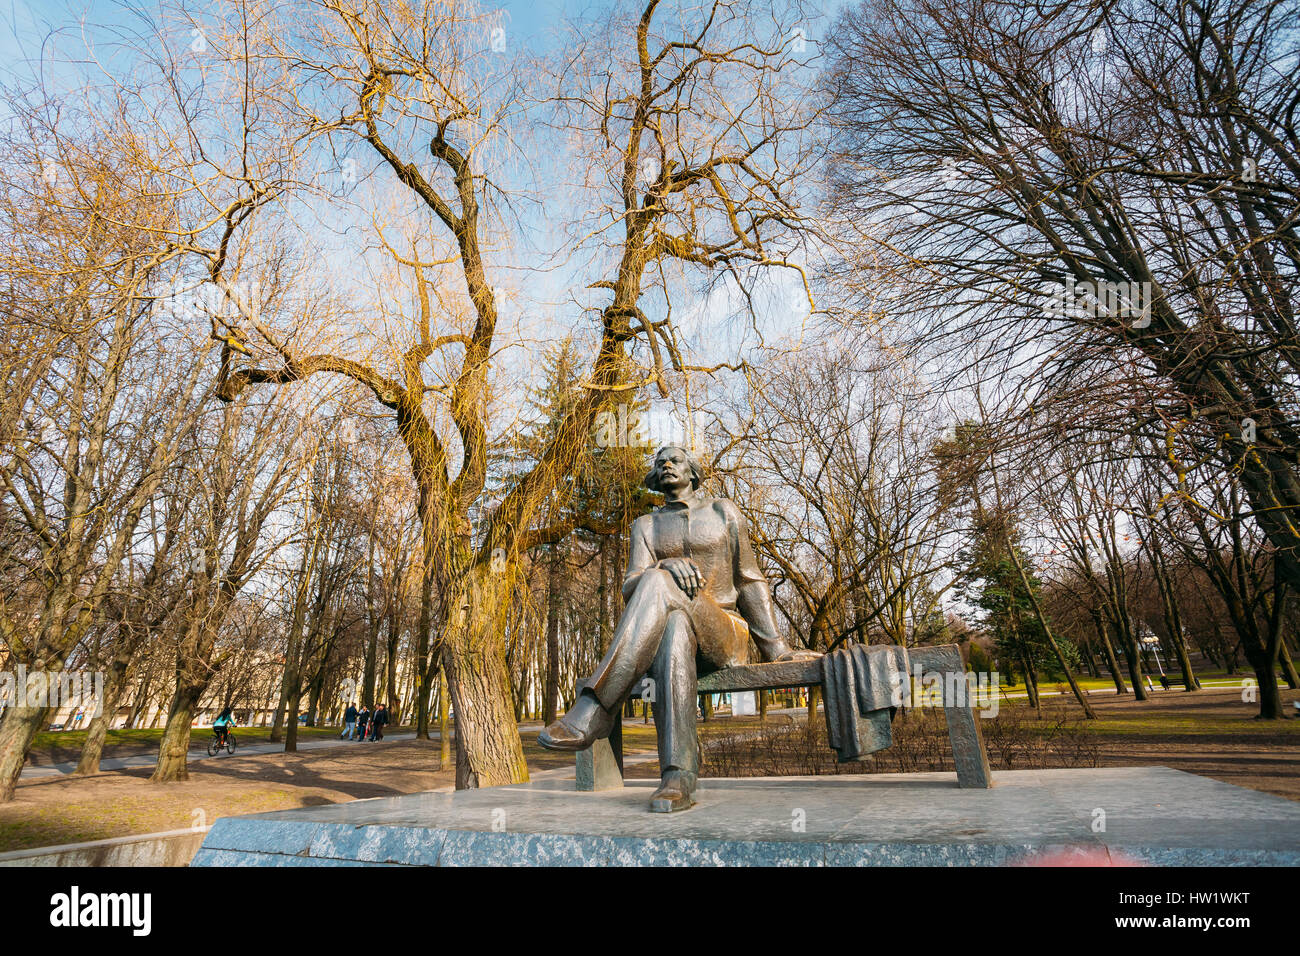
(655, 580)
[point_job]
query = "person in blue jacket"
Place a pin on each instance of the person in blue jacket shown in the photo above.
(225, 720)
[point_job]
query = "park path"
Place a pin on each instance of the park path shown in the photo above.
(244, 750)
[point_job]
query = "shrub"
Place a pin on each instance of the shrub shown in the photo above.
(1014, 741)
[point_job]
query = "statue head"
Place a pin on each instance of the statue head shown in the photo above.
(697, 472)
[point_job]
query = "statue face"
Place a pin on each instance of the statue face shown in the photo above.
(674, 470)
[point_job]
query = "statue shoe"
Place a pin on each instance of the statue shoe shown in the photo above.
(585, 723)
(676, 792)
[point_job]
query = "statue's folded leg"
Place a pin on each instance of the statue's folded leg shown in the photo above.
(635, 643)
(631, 653)
(673, 673)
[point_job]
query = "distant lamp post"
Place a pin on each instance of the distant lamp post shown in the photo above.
(1152, 643)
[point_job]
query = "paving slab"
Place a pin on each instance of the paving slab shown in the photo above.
(1151, 815)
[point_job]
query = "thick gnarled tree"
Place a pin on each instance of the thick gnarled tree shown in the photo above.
(694, 150)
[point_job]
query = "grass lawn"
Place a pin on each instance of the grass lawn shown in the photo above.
(1194, 724)
(1218, 678)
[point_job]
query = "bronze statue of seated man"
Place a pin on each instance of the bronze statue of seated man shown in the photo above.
(694, 599)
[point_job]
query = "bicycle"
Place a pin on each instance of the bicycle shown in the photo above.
(215, 745)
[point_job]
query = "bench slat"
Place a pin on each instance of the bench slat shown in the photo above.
(796, 673)
(762, 677)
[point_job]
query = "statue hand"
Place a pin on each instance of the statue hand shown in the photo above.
(685, 573)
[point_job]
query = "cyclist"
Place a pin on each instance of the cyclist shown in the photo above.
(221, 726)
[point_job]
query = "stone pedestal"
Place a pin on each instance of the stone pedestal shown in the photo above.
(1150, 815)
(599, 767)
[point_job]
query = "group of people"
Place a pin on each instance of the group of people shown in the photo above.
(364, 724)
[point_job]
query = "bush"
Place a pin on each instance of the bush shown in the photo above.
(1014, 740)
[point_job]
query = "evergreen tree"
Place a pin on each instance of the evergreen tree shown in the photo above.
(992, 582)
(590, 508)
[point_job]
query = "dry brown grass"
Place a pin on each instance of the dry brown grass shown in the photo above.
(47, 811)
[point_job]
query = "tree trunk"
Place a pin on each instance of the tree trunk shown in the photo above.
(603, 603)
(1173, 618)
(488, 749)
(20, 727)
(291, 731)
(1051, 638)
(114, 686)
(1128, 643)
(141, 698)
(444, 721)
(277, 720)
(317, 691)
(1031, 678)
(408, 689)
(1090, 659)
(290, 679)
(292, 675)
(1287, 666)
(554, 584)
(1190, 680)
(522, 686)
(1262, 661)
(1134, 659)
(429, 679)
(390, 667)
(173, 752)
(1228, 654)
(369, 674)
(422, 664)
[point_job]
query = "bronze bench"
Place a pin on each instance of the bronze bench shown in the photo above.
(600, 766)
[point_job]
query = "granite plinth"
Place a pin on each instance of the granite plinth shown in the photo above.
(1152, 815)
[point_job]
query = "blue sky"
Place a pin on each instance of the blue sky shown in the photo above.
(24, 24)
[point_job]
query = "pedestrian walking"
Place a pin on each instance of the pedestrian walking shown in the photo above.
(378, 722)
(363, 722)
(349, 721)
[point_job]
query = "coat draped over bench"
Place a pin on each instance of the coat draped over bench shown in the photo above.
(861, 686)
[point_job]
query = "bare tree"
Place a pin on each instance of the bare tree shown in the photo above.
(1088, 190)
(842, 495)
(245, 466)
(720, 196)
(106, 405)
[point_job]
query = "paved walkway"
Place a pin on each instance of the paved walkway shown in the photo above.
(243, 750)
